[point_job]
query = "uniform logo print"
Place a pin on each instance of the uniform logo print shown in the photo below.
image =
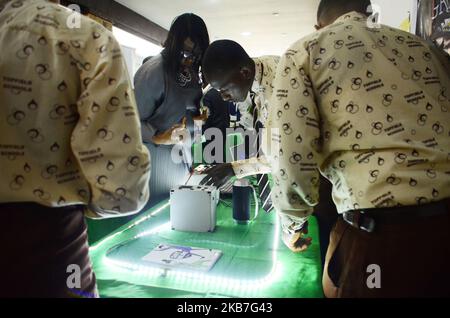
(35, 135)
(49, 171)
(377, 128)
(42, 41)
(121, 192)
(356, 83)
(283, 174)
(287, 71)
(417, 75)
(387, 99)
(113, 105)
(302, 112)
(133, 163)
(105, 134)
(352, 108)
(295, 158)
(335, 106)
(287, 129)
(294, 83)
(438, 128)
(25, 52)
(400, 158)
(57, 112)
(62, 86)
(43, 71)
(338, 44)
(16, 117)
(422, 119)
(368, 57)
(126, 139)
(101, 180)
(373, 175)
(110, 166)
(62, 48)
(17, 183)
(393, 180)
(41, 194)
(334, 64)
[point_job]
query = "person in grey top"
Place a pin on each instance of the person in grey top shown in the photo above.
(168, 92)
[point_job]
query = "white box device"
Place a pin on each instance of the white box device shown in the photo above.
(193, 208)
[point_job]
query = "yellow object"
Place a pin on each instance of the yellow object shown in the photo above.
(107, 24)
(406, 25)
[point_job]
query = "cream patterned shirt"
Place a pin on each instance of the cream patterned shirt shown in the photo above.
(369, 108)
(69, 131)
(262, 89)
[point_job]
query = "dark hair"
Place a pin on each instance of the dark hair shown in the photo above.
(332, 9)
(146, 59)
(223, 56)
(185, 26)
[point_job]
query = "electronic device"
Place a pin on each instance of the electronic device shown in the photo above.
(193, 208)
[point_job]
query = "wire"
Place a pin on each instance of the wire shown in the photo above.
(191, 173)
(225, 203)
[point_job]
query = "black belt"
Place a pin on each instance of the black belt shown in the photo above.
(367, 219)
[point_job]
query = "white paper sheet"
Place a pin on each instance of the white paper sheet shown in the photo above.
(183, 257)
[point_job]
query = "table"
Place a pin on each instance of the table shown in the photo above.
(255, 263)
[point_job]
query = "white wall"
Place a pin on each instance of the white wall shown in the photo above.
(134, 50)
(394, 12)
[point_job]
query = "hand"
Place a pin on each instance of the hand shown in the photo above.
(296, 242)
(171, 136)
(218, 175)
(203, 116)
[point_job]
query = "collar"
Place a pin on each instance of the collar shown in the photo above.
(354, 16)
(259, 74)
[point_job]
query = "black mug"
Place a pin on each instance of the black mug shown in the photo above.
(242, 193)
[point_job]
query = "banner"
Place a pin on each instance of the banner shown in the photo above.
(441, 25)
(432, 21)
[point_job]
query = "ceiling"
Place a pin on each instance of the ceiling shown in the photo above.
(262, 27)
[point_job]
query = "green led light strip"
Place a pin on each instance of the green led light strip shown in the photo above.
(143, 219)
(193, 278)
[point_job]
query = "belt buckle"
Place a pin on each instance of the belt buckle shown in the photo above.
(368, 224)
(358, 220)
(349, 217)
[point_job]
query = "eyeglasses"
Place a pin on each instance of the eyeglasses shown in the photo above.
(190, 55)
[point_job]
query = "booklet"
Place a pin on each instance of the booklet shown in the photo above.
(183, 257)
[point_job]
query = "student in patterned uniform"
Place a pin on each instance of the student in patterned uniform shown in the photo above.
(368, 106)
(70, 146)
(239, 78)
(249, 82)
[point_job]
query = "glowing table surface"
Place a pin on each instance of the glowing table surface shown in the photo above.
(254, 264)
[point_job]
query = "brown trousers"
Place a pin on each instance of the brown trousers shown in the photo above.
(38, 245)
(413, 258)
